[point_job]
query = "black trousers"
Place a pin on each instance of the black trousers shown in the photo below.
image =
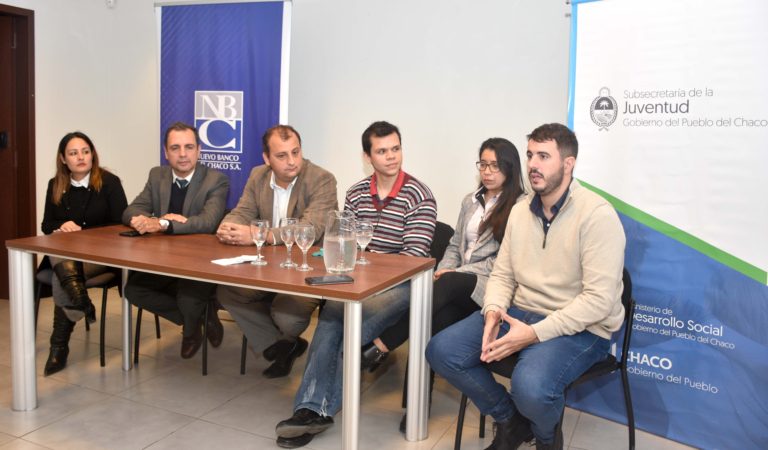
(178, 300)
(451, 302)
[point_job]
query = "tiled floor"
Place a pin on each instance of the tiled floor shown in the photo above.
(166, 403)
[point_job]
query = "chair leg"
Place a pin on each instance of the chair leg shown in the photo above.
(205, 339)
(630, 411)
(243, 353)
(38, 289)
(157, 326)
(460, 422)
(138, 334)
(482, 426)
(102, 325)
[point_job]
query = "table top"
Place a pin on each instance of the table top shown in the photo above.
(189, 256)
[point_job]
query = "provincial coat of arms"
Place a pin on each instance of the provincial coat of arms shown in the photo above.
(604, 109)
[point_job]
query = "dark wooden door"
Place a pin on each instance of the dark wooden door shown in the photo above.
(8, 196)
(17, 131)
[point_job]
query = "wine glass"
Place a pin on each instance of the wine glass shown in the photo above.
(287, 234)
(363, 234)
(259, 232)
(305, 237)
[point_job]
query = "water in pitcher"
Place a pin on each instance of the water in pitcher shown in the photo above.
(339, 253)
(339, 242)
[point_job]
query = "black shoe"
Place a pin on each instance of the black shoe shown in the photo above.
(295, 442)
(284, 362)
(190, 345)
(215, 329)
(303, 421)
(57, 360)
(371, 357)
(278, 348)
(511, 434)
(556, 444)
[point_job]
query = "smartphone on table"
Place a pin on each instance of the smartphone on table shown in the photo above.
(329, 279)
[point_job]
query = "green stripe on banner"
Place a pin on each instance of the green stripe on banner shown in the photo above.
(688, 239)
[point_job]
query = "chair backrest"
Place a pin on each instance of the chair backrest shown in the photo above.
(440, 240)
(629, 312)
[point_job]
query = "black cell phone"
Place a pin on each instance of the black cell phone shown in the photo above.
(329, 279)
(130, 233)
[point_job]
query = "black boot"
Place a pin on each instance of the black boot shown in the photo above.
(62, 329)
(511, 434)
(72, 280)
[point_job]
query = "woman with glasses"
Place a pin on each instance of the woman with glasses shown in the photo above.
(81, 195)
(459, 280)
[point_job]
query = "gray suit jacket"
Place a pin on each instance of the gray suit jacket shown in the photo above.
(483, 255)
(313, 195)
(204, 203)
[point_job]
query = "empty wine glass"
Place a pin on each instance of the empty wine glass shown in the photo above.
(287, 234)
(363, 234)
(305, 237)
(259, 232)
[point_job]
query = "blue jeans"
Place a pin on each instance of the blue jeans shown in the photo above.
(537, 386)
(321, 387)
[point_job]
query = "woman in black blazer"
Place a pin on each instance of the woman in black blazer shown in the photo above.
(81, 195)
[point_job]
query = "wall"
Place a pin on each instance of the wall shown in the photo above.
(448, 73)
(96, 71)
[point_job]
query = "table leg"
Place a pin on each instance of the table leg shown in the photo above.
(353, 319)
(418, 370)
(22, 315)
(127, 341)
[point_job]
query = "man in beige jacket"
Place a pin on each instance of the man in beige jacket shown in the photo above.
(553, 297)
(287, 185)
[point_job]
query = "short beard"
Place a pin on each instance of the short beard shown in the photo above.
(552, 184)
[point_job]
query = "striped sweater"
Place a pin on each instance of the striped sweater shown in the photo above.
(403, 223)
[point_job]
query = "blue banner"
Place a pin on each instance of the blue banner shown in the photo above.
(220, 71)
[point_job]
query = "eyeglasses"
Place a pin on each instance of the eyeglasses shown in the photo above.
(482, 165)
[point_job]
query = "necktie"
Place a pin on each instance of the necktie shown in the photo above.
(182, 183)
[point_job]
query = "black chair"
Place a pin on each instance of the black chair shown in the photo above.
(105, 281)
(440, 241)
(609, 365)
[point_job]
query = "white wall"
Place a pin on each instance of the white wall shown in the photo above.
(449, 73)
(96, 71)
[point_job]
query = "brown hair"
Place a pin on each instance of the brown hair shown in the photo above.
(283, 132)
(61, 180)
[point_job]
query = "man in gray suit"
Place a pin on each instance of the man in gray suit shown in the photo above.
(181, 198)
(287, 185)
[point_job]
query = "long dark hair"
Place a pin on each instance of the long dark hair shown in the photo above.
(509, 164)
(61, 179)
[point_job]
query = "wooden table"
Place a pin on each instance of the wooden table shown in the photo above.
(190, 256)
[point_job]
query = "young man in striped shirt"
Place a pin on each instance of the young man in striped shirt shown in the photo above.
(403, 212)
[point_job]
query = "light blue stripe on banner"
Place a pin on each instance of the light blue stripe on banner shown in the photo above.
(572, 56)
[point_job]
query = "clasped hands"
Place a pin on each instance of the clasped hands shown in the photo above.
(236, 234)
(519, 336)
(144, 224)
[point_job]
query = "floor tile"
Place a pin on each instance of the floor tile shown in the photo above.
(201, 434)
(116, 424)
